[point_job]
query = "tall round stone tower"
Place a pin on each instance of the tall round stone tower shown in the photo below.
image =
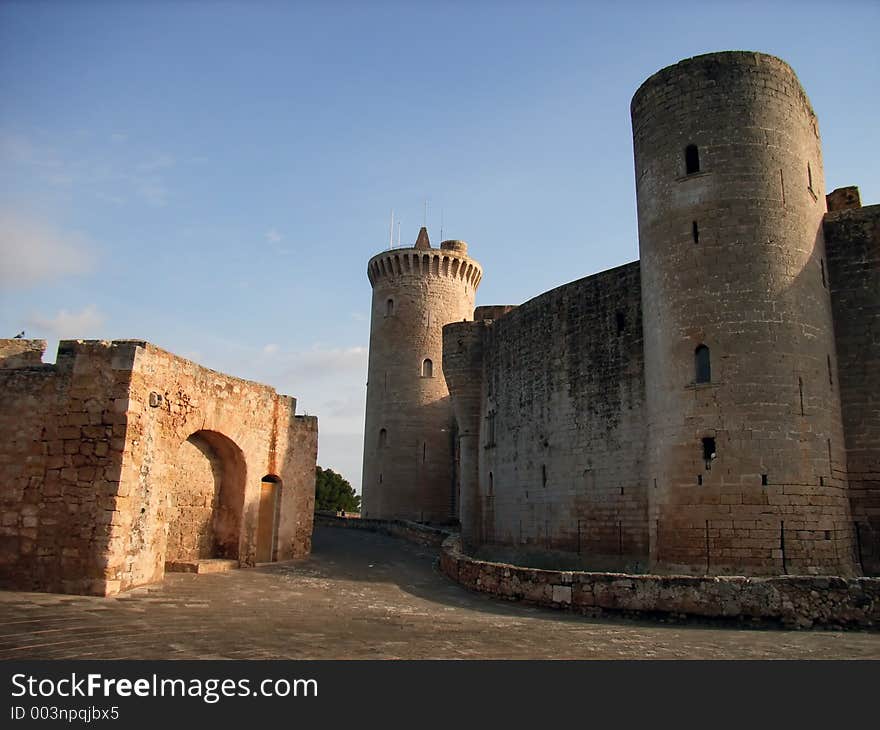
(409, 436)
(746, 462)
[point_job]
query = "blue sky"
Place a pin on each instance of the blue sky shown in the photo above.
(214, 176)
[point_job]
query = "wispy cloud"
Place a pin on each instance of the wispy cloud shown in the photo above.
(104, 172)
(64, 324)
(270, 349)
(325, 362)
(32, 252)
(273, 236)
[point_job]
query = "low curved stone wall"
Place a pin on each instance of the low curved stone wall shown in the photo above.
(797, 601)
(410, 531)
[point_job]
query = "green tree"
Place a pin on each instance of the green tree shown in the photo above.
(333, 492)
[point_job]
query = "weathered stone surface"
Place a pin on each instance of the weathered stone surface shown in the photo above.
(409, 438)
(794, 601)
(99, 508)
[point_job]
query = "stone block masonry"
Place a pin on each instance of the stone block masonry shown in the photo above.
(852, 241)
(551, 415)
(121, 458)
(793, 601)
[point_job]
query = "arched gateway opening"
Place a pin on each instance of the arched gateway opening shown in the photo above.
(205, 499)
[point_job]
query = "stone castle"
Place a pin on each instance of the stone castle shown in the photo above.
(712, 408)
(121, 461)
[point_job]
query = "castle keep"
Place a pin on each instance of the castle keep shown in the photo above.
(711, 408)
(410, 442)
(121, 461)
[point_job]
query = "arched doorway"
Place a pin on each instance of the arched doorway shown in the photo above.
(205, 499)
(267, 521)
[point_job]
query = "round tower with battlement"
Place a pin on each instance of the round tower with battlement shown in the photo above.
(410, 433)
(746, 462)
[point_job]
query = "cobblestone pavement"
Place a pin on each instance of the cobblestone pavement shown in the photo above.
(363, 596)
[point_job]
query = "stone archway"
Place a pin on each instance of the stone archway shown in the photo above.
(205, 485)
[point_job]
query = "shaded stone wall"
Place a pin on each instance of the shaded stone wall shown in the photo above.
(409, 431)
(193, 481)
(852, 239)
(559, 387)
(732, 259)
(91, 477)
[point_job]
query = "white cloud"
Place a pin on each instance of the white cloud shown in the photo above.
(32, 252)
(273, 236)
(328, 362)
(270, 349)
(68, 325)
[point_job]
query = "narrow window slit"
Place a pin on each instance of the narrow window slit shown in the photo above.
(691, 159)
(702, 365)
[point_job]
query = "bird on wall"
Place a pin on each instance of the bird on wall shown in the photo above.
(19, 336)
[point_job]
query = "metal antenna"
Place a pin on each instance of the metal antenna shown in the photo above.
(391, 231)
(441, 225)
(426, 214)
(398, 234)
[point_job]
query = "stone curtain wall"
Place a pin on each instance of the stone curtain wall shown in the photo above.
(795, 601)
(561, 424)
(852, 239)
(90, 481)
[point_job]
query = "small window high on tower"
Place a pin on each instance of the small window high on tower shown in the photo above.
(691, 159)
(702, 365)
(427, 368)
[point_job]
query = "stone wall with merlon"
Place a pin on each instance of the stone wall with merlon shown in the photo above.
(852, 241)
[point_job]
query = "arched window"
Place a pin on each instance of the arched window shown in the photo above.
(702, 365)
(389, 307)
(383, 438)
(427, 369)
(691, 159)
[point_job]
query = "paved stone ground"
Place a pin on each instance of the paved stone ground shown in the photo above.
(363, 596)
